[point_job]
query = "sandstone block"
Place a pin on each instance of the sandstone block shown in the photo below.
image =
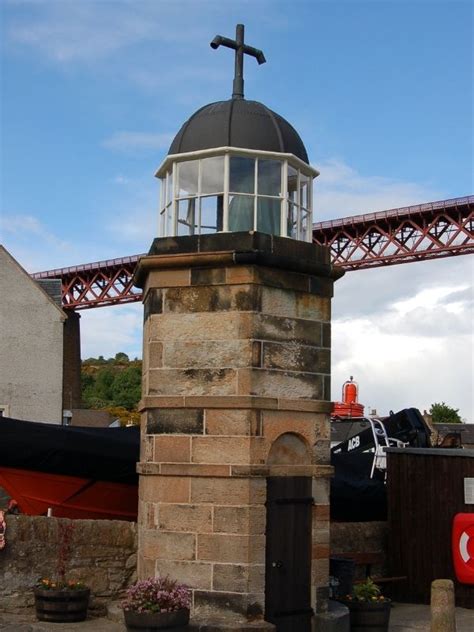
(320, 572)
(266, 383)
(326, 332)
(280, 329)
(207, 276)
(290, 304)
(241, 298)
(153, 303)
(223, 548)
(166, 545)
(240, 274)
(250, 520)
(192, 382)
(293, 356)
(210, 603)
(171, 489)
(145, 567)
(320, 551)
(189, 518)
(193, 574)
(321, 491)
(155, 355)
(203, 326)
(243, 578)
(168, 278)
(208, 354)
(277, 422)
(227, 449)
(172, 449)
(147, 448)
(238, 491)
(175, 420)
(321, 536)
(322, 452)
(321, 512)
(231, 422)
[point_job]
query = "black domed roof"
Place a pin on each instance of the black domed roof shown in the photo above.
(238, 123)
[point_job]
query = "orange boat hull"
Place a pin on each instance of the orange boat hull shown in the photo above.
(69, 496)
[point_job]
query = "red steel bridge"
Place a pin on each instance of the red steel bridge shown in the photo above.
(401, 235)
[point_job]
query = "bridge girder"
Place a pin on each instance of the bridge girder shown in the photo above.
(403, 235)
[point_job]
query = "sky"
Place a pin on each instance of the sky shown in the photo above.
(93, 92)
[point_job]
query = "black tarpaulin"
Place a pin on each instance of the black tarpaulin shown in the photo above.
(108, 454)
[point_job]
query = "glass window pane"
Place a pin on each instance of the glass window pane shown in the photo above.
(269, 177)
(188, 178)
(187, 218)
(241, 212)
(212, 175)
(211, 213)
(292, 184)
(169, 186)
(166, 224)
(292, 225)
(306, 226)
(162, 192)
(242, 175)
(304, 184)
(163, 223)
(268, 215)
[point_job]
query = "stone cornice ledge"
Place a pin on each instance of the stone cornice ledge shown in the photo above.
(227, 471)
(235, 401)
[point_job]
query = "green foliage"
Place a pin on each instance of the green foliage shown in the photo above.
(444, 414)
(115, 382)
(127, 386)
(367, 591)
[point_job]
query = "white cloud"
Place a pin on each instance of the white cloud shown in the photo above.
(341, 191)
(74, 31)
(411, 343)
(137, 141)
(32, 243)
(106, 331)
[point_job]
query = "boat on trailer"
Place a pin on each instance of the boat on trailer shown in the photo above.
(358, 488)
(69, 471)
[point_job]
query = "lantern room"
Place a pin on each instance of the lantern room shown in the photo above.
(236, 165)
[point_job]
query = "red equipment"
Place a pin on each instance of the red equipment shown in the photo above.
(463, 547)
(349, 407)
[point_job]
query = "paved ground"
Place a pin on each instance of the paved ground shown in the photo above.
(403, 618)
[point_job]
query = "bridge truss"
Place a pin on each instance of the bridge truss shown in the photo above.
(402, 235)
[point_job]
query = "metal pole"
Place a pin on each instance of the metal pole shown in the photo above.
(238, 92)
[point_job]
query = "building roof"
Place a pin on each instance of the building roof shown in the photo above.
(238, 123)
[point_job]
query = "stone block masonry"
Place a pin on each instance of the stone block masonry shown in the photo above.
(236, 389)
(103, 556)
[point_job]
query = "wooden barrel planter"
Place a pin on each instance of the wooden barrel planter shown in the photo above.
(61, 606)
(367, 615)
(152, 621)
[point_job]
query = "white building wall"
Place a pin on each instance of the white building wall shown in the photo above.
(31, 347)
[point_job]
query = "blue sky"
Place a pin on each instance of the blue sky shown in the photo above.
(381, 93)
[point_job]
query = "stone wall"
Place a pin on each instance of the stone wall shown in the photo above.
(103, 556)
(364, 538)
(31, 347)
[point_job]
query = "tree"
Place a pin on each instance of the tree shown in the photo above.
(127, 387)
(444, 414)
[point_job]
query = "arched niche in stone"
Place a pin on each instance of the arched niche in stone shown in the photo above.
(289, 449)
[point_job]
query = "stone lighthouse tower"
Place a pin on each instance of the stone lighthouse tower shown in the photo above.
(234, 494)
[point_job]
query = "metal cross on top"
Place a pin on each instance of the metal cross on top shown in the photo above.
(240, 49)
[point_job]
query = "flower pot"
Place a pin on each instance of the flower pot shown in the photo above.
(369, 615)
(151, 621)
(61, 606)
